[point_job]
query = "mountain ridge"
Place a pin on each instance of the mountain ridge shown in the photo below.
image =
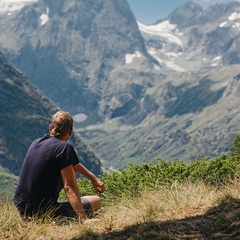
(79, 57)
(26, 115)
(203, 131)
(191, 39)
(143, 91)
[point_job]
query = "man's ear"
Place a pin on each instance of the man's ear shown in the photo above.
(70, 132)
(50, 127)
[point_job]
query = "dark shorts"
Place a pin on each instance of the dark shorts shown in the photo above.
(63, 209)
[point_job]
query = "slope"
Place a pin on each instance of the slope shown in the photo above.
(67, 49)
(198, 114)
(25, 115)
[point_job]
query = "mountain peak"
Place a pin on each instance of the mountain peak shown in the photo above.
(9, 7)
(84, 40)
(185, 13)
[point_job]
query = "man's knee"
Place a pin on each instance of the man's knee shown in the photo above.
(95, 201)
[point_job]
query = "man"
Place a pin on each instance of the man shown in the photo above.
(50, 165)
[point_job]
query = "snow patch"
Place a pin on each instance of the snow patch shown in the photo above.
(234, 16)
(223, 24)
(236, 25)
(217, 58)
(9, 6)
(164, 33)
(157, 67)
(44, 17)
(129, 57)
(164, 29)
(216, 61)
(167, 62)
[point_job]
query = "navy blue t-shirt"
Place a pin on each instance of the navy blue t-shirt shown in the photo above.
(40, 179)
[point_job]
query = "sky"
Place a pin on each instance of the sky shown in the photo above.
(149, 11)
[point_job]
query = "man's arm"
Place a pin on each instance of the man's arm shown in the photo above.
(72, 192)
(97, 183)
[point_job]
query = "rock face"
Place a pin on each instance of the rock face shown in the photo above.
(165, 90)
(25, 115)
(191, 39)
(86, 56)
(68, 49)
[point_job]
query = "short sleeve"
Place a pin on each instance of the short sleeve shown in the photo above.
(66, 156)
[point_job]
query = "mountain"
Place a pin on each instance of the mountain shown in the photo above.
(191, 39)
(197, 116)
(25, 115)
(70, 48)
(137, 92)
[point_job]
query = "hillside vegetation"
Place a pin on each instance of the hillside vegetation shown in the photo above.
(200, 200)
(192, 114)
(25, 116)
(8, 183)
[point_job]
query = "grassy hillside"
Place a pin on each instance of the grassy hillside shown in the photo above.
(8, 182)
(182, 211)
(165, 200)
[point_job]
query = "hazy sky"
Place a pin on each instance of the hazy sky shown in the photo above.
(149, 11)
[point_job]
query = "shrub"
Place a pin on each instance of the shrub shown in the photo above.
(140, 177)
(235, 150)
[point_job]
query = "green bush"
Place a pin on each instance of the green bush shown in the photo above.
(235, 150)
(140, 177)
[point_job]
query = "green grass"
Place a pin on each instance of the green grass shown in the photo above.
(8, 184)
(178, 211)
(164, 200)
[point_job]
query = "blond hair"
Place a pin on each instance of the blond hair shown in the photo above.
(62, 123)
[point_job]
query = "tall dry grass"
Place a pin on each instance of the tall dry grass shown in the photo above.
(176, 202)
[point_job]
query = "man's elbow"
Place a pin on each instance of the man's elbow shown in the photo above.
(69, 188)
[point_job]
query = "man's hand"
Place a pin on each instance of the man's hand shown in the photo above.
(96, 182)
(98, 185)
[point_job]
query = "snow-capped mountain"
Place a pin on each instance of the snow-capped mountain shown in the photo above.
(164, 43)
(11, 6)
(137, 92)
(69, 48)
(191, 39)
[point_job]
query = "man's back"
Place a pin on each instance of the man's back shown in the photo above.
(40, 180)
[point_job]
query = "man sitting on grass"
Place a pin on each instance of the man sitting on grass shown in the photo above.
(50, 165)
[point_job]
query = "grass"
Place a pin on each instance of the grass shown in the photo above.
(181, 211)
